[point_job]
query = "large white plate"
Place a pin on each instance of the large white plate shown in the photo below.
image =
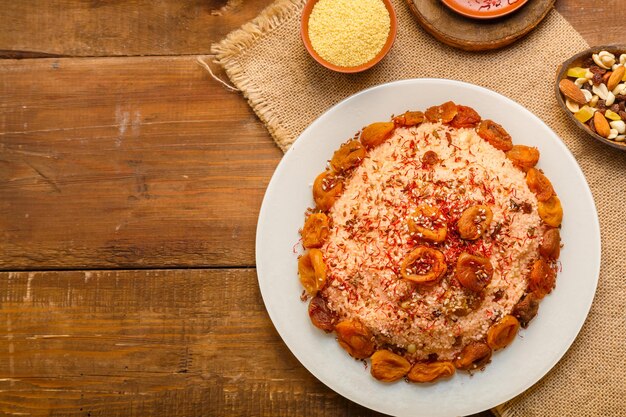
(514, 369)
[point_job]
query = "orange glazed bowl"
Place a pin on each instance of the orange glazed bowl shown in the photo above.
(304, 31)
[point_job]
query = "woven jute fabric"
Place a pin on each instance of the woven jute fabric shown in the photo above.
(267, 62)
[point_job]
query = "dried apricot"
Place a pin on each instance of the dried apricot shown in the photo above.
(326, 188)
(523, 157)
(348, 156)
(444, 113)
(473, 356)
(376, 133)
(501, 334)
(465, 117)
(315, 231)
(551, 211)
(526, 309)
(428, 223)
(473, 272)
(320, 314)
(542, 278)
(409, 118)
(423, 265)
(474, 221)
(539, 184)
(355, 338)
(429, 372)
(312, 271)
(551, 244)
(388, 367)
(495, 134)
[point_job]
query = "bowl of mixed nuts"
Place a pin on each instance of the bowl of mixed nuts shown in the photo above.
(591, 89)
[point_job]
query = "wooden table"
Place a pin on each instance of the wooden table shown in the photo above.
(130, 183)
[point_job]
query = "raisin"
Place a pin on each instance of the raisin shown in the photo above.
(320, 314)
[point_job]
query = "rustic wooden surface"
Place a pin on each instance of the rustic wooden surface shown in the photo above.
(118, 173)
(473, 35)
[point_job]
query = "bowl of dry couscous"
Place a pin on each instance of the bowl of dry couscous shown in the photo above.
(348, 35)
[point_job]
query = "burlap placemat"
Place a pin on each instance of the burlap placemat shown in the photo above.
(265, 59)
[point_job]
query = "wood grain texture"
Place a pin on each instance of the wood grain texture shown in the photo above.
(119, 27)
(175, 343)
(599, 22)
(134, 162)
(478, 35)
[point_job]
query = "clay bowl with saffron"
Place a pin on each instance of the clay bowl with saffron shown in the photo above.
(304, 31)
(578, 60)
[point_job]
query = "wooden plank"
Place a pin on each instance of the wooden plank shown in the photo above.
(119, 28)
(599, 22)
(172, 27)
(122, 343)
(120, 162)
(162, 342)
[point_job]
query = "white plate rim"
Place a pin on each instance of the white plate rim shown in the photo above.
(346, 387)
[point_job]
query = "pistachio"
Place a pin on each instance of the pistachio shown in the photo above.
(604, 59)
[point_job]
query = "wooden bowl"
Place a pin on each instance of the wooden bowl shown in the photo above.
(576, 61)
(304, 31)
(476, 11)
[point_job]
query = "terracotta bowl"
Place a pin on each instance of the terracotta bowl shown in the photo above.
(474, 10)
(576, 61)
(304, 31)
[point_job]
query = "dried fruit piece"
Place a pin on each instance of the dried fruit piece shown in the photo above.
(428, 223)
(539, 184)
(444, 113)
(473, 272)
(315, 231)
(495, 134)
(389, 367)
(423, 265)
(473, 356)
(326, 188)
(348, 156)
(409, 118)
(523, 157)
(526, 309)
(551, 244)
(616, 77)
(585, 113)
(320, 314)
(376, 133)
(551, 211)
(429, 372)
(571, 91)
(601, 124)
(609, 114)
(542, 278)
(474, 221)
(466, 117)
(577, 72)
(355, 338)
(501, 334)
(312, 271)
(429, 159)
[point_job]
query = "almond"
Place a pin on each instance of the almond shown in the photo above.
(571, 91)
(616, 77)
(601, 125)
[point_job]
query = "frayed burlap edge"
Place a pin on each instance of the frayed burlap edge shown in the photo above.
(242, 39)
